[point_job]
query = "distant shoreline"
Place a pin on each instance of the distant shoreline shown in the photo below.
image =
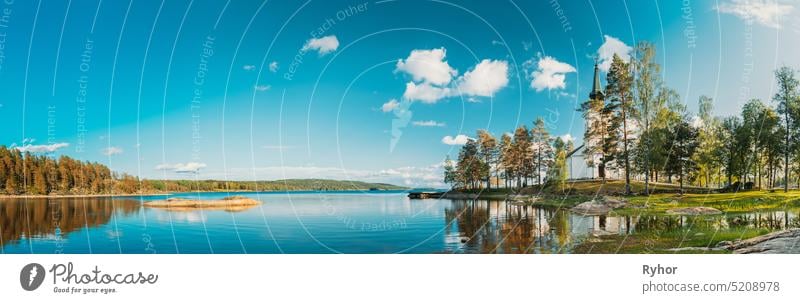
(60, 196)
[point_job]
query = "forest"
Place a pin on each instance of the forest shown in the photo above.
(639, 128)
(31, 174)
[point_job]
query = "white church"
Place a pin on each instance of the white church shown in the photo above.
(585, 166)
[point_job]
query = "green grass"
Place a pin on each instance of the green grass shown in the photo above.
(666, 197)
(661, 243)
(726, 202)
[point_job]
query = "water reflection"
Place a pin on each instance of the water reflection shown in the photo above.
(43, 218)
(352, 223)
(501, 227)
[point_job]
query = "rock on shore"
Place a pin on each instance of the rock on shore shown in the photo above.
(779, 242)
(599, 207)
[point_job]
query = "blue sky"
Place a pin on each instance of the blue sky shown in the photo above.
(375, 91)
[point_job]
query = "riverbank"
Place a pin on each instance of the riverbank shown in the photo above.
(667, 197)
(594, 197)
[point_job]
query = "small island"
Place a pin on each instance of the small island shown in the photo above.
(232, 203)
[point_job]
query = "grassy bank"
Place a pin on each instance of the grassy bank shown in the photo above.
(666, 242)
(726, 202)
(666, 196)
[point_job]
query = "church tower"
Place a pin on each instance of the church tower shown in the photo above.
(593, 117)
(597, 92)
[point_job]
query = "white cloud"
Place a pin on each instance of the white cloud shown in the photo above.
(112, 150)
(425, 92)
(45, 148)
(458, 140)
(566, 95)
(262, 88)
(273, 67)
(610, 47)
(485, 79)
(249, 67)
(428, 66)
(390, 105)
(322, 45)
(550, 74)
(432, 77)
(190, 167)
(429, 123)
(765, 12)
(566, 138)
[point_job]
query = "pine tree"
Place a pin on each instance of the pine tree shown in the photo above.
(521, 155)
(619, 93)
(506, 160)
(542, 149)
(488, 153)
(469, 165)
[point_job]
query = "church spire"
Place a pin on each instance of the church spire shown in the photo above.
(597, 92)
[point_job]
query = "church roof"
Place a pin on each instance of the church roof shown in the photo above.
(575, 150)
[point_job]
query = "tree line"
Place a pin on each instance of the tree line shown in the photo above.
(32, 174)
(639, 128)
(528, 156)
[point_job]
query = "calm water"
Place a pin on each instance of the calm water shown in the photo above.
(385, 222)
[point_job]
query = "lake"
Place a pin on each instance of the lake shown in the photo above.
(331, 222)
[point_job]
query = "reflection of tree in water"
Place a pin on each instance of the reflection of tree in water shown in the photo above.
(500, 227)
(473, 220)
(775, 220)
(41, 217)
(767, 220)
(518, 230)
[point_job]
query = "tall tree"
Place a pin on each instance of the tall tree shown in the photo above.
(787, 98)
(707, 126)
(730, 153)
(647, 83)
(506, 160)
(450, 173)
(542, 149)
(521, 155)
(680, 163)
(619, 93)
(469, 165)
(488, 153)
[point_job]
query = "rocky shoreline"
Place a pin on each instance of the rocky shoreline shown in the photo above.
(779, 242)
